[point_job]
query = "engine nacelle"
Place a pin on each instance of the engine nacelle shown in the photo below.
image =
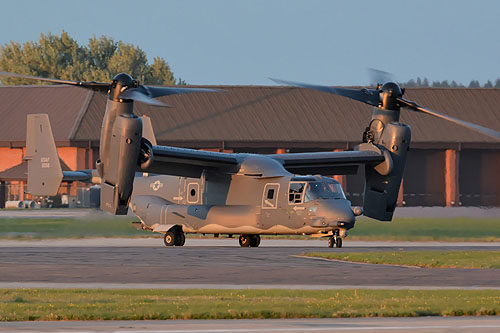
(120, 164)
(382, 182)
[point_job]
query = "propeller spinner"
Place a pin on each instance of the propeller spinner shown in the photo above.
(389, 96)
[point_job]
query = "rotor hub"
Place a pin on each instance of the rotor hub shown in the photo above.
(393, 88)
(389, 92)
(120, 83)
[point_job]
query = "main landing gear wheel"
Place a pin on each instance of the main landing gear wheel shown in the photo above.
(169, 238)
(245, 240)
(180, 239)
(249, 240)
(174, 238)
(254, 241)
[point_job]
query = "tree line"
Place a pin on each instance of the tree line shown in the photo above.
(61, 57)
(421, 83)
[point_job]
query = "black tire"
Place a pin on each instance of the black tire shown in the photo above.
(183, 239)
(180, 239)
(331, 242)
(245, 240)
(254, 241)
(170, 238)
(339, 242)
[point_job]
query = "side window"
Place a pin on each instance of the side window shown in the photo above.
(296, 192)
(270, 196)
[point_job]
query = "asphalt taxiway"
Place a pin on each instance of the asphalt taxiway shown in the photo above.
(221, 263)
(421, 324)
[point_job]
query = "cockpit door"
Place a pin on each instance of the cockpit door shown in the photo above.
(270, 196)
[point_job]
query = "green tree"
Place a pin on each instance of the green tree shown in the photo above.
(488, 84)
(61, 57)
(443, 84)
(160, 72)
(410, 84)
(474, 84)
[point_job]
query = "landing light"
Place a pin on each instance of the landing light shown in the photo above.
(357, 211)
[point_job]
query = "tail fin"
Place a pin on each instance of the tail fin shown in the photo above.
(44, 170)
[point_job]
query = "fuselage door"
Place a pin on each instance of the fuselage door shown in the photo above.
(296, 208)
(270, 196)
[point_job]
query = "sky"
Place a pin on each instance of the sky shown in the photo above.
(233, 42)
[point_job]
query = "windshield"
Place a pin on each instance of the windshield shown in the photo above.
(324, 190)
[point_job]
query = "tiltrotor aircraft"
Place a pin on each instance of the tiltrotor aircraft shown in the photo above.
(191, 191)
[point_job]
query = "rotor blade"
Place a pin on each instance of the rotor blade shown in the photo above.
(377, 76)
(99, 86)
(368, 96)
(480, 129)
(137, 95)
(165, 91)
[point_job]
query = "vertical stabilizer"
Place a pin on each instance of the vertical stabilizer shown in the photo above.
(44, 170)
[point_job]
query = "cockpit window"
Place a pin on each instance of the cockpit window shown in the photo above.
(324, 190)
(295, 193)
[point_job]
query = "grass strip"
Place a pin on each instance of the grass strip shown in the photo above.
(427, 229)
(81, 304)
(46, 228)
(401, 229)
(429, 259)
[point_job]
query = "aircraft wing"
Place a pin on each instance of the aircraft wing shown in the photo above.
(190, 162)
(328, 163)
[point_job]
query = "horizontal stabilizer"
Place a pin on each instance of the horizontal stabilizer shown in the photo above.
(81, 176)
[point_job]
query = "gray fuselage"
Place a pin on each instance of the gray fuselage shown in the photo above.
(242, 204)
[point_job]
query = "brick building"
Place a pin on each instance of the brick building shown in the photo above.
(447, 165)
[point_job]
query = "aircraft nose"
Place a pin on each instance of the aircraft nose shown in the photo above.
(344, 213)
(339, 211)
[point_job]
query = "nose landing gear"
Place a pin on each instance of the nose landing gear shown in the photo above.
(335, 240)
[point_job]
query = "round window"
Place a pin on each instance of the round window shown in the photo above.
(193, 192)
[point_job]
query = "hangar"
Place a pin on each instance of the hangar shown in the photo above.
(447, 165)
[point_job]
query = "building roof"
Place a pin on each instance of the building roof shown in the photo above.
(63, 104)
(252, 116)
